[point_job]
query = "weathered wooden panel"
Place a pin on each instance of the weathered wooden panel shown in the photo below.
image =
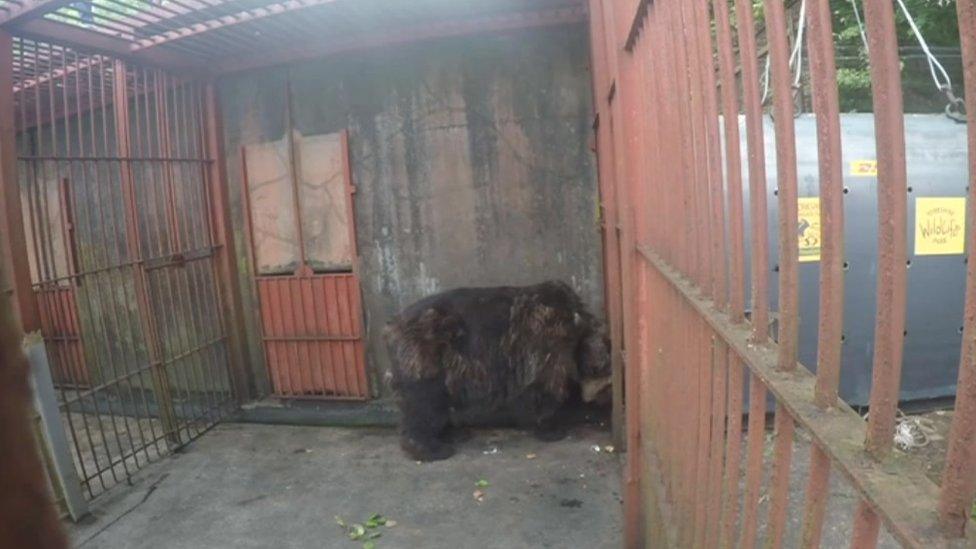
(323, 198)
(272, 207)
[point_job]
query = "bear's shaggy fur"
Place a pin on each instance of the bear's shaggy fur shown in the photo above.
(504, 353)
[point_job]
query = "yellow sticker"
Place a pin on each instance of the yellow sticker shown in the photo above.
(940, 226)
(808, 229)
(864, 168)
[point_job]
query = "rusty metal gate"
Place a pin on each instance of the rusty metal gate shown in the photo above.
(298, 201)
(116, 178)
(672, 185)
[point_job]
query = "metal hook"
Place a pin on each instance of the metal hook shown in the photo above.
(955, 109)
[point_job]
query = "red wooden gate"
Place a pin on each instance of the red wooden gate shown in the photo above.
(303, 251)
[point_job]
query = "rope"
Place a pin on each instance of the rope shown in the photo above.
(796, 56)
(860, 26)
(955, 109)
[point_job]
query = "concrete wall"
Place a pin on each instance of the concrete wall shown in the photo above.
(471, 159)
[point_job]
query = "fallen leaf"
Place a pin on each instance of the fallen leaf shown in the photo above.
(339, 521)
(390, 523)
(478, 495)
(356, 532)
(481, 483)
(608, 448)
(530, 456)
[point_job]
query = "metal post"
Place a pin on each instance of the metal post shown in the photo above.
(13, 244)
(164, 400)
(45, 401)
(230, 288)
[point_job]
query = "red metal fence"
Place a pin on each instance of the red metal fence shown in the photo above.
(303, 254)
(664, 70)
(117, 188)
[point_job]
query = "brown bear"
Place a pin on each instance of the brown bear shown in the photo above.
(502, 354)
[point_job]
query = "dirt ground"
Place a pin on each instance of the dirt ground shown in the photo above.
(246, 485)
(932, 450)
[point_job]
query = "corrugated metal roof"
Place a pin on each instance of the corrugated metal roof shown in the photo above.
(202, 31)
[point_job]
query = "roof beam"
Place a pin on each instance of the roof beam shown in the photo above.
(91, 41)
(230, 20)
(476, 25)
(29, 9)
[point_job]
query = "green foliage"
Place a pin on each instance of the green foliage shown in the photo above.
(937, 21)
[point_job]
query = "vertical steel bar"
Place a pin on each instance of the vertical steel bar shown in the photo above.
(718, 372)
(134, 250)
(733, 451)
(611, 250)
(229, 288)
(889, 129)
(733, 174)
(867, 526)
(818, 484)
(634, 509)
(754, 463)
(789, 293)
(13, 244)
(713, 150)
(959, 476)
(823, 76)
(780, 483)
(757, 170)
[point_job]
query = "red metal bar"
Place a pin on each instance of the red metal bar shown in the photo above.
(13, 243)
(736, 266)
(713, 149)
(733, 452)
(718, 373)
(780, 483)
(959, 476)
(789, 293)
(818, 486)
(611, 246)
(823, 75)
(867, 526)
(889, 130)
(227, 270)
(754, 457)
(757, 169)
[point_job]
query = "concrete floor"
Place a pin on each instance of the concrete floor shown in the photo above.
(245, 485)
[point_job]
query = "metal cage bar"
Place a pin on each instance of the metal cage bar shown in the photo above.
(689, 352)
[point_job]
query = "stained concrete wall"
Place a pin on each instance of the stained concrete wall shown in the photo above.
(471, 158)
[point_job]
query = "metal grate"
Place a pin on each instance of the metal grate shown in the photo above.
(663, 73)
(115, 189)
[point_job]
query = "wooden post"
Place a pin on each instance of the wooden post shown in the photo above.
(13, 240)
